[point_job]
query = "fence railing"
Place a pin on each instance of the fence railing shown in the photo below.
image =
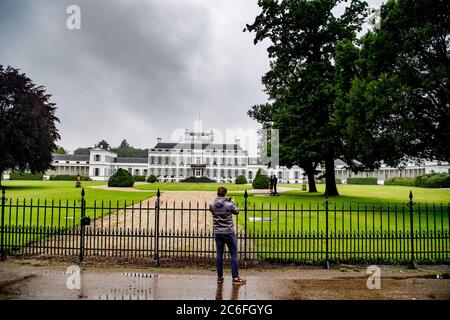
(159, 230)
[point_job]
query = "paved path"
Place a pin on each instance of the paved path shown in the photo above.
(25, 281)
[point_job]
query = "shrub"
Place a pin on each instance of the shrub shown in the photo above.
(139, 178)
(25, 176)
(122, 178)
(431, 180)
(401, 182)
(437, 181)
(152, 178)
(366, 181)
(261, 181)
(67, 177)
(240, 180)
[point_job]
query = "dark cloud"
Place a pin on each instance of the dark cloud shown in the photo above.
(138, 69)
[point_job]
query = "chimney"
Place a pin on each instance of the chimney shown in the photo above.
(158, 140)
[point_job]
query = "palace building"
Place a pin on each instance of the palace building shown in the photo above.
(197, 155)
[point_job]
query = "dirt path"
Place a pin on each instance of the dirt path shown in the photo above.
(27, 281)
(184, 220)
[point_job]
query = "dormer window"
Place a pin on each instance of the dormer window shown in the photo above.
(97, 157)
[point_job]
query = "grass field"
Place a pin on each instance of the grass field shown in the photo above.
(356, 194)
(65, 200)
(358, 208)
(175, 186)
(65, 190)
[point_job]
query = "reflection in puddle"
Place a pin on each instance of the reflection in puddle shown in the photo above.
(234, 292)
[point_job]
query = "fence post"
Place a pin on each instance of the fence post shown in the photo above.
(2, 245)
(327, 262)
(83, 213)
(157, 207)
(412, 263)
(245, 228)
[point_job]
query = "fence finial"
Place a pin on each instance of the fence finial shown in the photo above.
(245, 194)
(158, 193)
(82, 193)
(410, 195)
(3, 191)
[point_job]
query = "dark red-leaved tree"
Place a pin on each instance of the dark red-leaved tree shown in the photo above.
(27, 124)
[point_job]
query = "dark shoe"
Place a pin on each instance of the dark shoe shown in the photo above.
(220, 280)
(239, 281)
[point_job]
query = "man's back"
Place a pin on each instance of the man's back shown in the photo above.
(223, 210)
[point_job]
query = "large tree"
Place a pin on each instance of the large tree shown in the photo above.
(27, 124)
(300, 82)
(393, 89)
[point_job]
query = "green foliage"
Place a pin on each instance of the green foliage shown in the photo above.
(303, 35)
(25, 176)
(152, 178)
(82, 151)
(60, 150)
(139, 178)
(392, 89)
(400, 182)
(432, 180)
(261, 181)
(127, 151)
(67, 177)
(240, 180)
(122, 178)
(124, 150)
(365, 181)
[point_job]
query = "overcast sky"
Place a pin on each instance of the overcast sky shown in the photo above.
(139, 69)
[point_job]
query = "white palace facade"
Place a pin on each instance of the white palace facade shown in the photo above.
(198, 156)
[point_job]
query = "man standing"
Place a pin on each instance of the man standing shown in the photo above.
(223, 209)
(275, 181)
(270, 184)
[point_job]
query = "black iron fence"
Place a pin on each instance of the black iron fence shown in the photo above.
(297, 233)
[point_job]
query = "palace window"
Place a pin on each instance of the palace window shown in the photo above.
(97, 157)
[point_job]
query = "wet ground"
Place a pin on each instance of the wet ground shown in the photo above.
(21, 279)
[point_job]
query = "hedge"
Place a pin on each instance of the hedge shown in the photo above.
(431, 180)
(25, 176)
(67, 177)
(139, 178)
(122, 178)
(240, 180)
(322, 181)
(152, 178)
(365, 181)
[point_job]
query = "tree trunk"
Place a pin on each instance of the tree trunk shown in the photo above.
(330, 179)
(311, 180)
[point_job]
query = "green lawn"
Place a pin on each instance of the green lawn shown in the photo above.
(65, 190)
(360, 194)
(65, 200)
(358, 208)
(163, 186)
